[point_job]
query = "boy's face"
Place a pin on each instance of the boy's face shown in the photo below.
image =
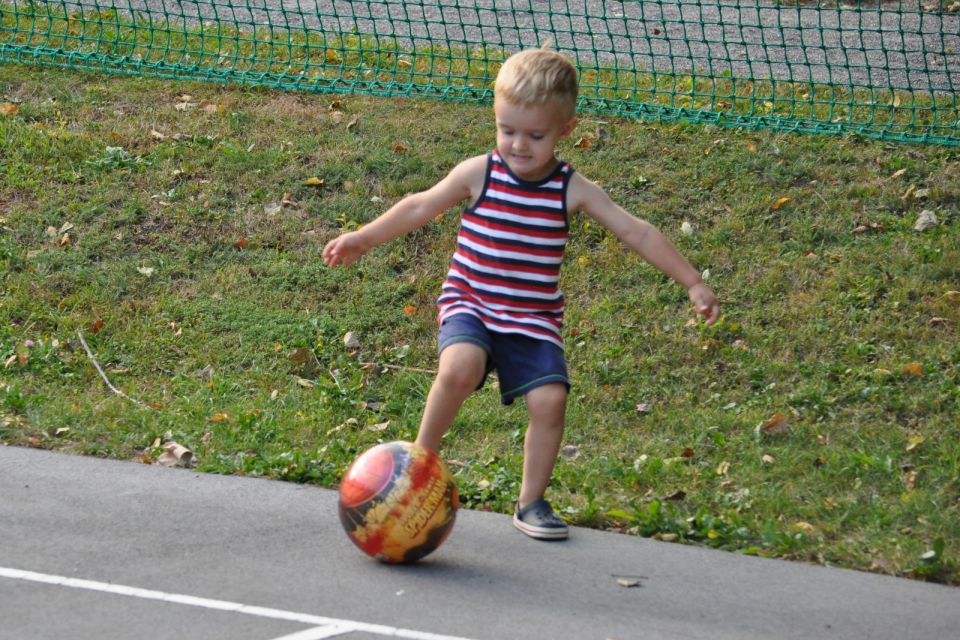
(527, 136)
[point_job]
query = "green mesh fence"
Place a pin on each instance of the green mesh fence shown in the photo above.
(882, 69)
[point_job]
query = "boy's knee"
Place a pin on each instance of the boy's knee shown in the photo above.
(461, 381)
(462, 367)
(549, 399)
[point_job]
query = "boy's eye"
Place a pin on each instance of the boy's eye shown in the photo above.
(537, 136)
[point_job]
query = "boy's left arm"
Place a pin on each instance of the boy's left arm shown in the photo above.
(646, 240)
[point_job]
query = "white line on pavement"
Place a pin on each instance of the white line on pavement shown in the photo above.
(319, 633)
(331, 624)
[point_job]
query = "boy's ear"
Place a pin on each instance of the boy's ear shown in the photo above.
(569, 127)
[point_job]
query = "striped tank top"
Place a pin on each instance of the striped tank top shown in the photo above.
(506, 268)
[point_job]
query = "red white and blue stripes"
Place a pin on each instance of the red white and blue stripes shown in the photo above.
(506, 267)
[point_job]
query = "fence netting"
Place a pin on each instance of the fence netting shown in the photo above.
(882, 69)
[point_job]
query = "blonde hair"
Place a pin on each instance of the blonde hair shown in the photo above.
(537, 76)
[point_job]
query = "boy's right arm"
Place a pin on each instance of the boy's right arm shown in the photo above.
(410, 213)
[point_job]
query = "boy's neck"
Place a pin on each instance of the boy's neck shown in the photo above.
(541, 175)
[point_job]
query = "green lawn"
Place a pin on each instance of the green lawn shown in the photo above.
(178, 227)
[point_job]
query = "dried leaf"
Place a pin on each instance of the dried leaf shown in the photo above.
(8, 109)
(219, 417)
(910, 481)
(914, 369)
(175, 455)
(926, 220)
(351, 340)
(300, 355)
(898, 173)
(686, 228)
(583, 143)
(240, 244)
(776, 425)
(409, 310)
(211, 107)
(147, 271)
(313, 182)
(353, 123)
(156, 135)
(768, 459)
(288, 201)
(914, 441)
(570, 452)
(644, 407)
(805, 527)
(303, 382)
(723, 468)
(687, 453)
(400, 149)
(779, 203)
(96, 326)
(380, 426)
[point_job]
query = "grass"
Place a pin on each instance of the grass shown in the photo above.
(159, 233)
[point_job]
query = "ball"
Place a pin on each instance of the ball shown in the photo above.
(398, 502)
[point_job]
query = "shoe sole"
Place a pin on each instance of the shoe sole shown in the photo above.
(540, 533)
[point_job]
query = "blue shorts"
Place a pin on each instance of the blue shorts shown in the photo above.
(521, 363)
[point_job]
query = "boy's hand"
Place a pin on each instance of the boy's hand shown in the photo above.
(704, 302)
(345, 249)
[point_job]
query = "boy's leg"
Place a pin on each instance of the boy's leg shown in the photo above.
(547, 405)
(462, 367)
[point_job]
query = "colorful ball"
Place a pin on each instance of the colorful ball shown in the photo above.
(398, 502)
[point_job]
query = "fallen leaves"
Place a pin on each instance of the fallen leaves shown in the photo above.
(628, 582)
(351, 340)
(8, 109)
(913, 369)
(175, 455)
(926, 220)
(779, 203)
(869, 226)
(777, 424)
(570, 452)
(186, 102)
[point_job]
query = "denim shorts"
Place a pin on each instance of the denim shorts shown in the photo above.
(521, 363)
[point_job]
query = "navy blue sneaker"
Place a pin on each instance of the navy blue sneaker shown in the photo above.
(539, 521)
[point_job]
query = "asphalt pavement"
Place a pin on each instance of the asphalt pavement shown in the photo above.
(893, 44)
(94, 549)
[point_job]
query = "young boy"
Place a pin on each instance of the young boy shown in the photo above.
(500, 307)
